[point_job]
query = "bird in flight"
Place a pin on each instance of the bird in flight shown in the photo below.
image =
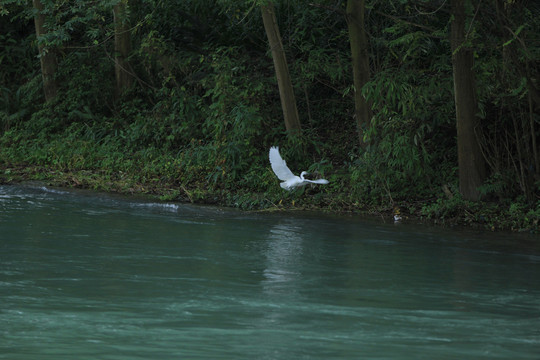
(290, 181)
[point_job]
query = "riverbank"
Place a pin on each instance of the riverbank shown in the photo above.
(445, 211)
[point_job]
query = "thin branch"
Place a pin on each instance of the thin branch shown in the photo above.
(141, 81)
(432, 12)
(105, 40)
(395, 18)
(472, 20)
(330, 8)
(520, 41)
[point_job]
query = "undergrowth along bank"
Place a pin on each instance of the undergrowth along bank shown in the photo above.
(162, 185)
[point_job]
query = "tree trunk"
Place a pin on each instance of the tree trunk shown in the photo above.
(286, 93)
(471, 163)
(122, 48)
(47, 56)
(360, 63)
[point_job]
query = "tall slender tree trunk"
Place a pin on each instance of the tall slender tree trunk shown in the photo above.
(47, 55)
(471, 163)
(360, 63)
(122, 48)
(286, 92)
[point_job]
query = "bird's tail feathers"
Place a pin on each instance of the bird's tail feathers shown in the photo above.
(318, 181)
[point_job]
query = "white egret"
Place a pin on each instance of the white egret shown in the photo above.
(290, 181)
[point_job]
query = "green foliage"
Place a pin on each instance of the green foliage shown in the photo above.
(514, 215)
(16, 105)
(410, 133)
(16, 57)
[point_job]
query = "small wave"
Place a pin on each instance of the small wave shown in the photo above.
(159, 206)
(52, 191)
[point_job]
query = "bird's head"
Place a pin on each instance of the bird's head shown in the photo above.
(302, 174)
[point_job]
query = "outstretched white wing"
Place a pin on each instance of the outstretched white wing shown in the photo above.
(279, 165)
(318, 181)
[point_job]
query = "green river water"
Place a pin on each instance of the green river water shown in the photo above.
(93, 276)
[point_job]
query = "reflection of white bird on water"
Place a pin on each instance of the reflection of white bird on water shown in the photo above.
(290, 181)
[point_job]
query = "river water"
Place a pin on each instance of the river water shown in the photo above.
(93, 276)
